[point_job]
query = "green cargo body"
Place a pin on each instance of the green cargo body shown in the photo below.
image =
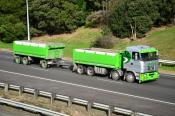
(38, 49)
(97, 57)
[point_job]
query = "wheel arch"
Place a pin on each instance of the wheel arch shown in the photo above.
(130, 71)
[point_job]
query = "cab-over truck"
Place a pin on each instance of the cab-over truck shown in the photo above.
(134, 63)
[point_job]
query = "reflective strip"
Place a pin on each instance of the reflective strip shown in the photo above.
(111, 54)
(79, 50)
(42, 45)
(34, 45)
(89, 51)
(30, 44)
(101, 53)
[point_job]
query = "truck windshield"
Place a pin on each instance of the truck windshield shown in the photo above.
(149, 56)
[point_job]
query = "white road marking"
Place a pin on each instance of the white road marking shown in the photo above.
(73, 84)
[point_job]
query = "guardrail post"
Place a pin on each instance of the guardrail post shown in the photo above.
(21, 89)
(36, 92)
(6, 88)
(89, 104)
(69, 103)
(109, 112)
(53, 95)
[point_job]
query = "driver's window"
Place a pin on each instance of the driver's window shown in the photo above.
(135, 56)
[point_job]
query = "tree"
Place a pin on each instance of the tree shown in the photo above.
(12, 16)
(166, 9)
(130, 16)
(56, 16)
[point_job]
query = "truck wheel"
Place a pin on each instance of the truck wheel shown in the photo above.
(25, 61)
(17, 59)
(80, 69)
(43, 64)
(90, 71)
(130, 77)
(115, 75)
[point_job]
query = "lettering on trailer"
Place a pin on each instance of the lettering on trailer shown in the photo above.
(30, 44)
(100, 53)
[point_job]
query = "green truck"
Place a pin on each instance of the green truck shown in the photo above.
(134, 63)
(45, 53)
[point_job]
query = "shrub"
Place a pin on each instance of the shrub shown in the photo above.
(104, 42)
(95, 19)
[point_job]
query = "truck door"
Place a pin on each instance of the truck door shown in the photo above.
(134, 64)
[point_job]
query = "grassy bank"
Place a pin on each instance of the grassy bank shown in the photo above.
(81, 38)
(161, 38)
(5, 45)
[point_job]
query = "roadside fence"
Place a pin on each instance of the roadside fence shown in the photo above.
(69, 99)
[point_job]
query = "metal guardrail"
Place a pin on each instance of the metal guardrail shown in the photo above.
(30, 107)
(170, 62)
(68, 99)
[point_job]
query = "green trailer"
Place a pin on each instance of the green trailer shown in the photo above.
(99, 61)
(134, 63)
(46, 53)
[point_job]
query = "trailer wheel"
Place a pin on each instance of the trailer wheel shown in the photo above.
(80, 69)
(17, 59)
(43, 64)
(115, 75)
(90, 71)
(130, 77)
(25, 61)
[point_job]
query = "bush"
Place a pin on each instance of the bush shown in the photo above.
(104, 42)
(10, 32)
(35, 32)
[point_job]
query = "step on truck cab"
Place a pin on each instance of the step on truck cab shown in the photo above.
(134, 63)
(45, 53)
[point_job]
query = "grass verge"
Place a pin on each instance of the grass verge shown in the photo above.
(5, 45)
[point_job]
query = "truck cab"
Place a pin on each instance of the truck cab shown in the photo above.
(140, 63)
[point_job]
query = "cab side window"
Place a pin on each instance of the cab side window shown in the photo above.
(135, 56)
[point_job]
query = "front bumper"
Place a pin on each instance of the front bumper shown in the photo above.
(148, 76)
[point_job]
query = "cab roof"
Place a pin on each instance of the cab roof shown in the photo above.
(141, 49)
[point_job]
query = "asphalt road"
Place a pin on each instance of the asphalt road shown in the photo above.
(156, 97)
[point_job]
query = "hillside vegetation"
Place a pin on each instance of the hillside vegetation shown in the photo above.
(125, 18)
(161, 38)
(81, 38)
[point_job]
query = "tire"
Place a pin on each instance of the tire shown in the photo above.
(130, 77)
(80, 69)
(17, 59)
(90, 71)
(43, 64)
(115, 75)
(25, 61)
